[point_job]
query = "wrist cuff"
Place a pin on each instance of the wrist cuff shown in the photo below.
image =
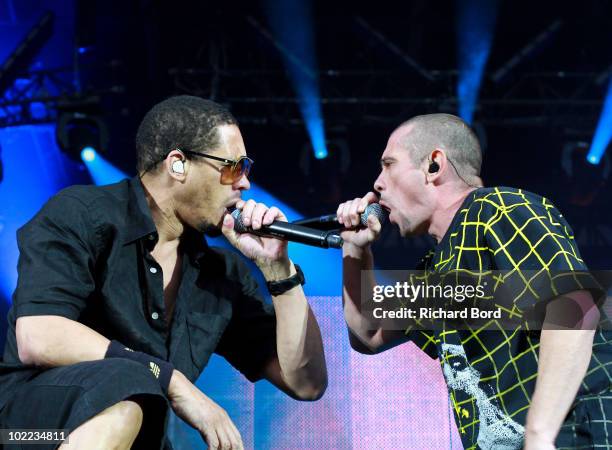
(162, 370)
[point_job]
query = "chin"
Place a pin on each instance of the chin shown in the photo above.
(209, 229)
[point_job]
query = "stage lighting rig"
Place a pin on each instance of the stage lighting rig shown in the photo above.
(80, 130)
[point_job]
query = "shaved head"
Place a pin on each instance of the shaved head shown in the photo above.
(421, 135)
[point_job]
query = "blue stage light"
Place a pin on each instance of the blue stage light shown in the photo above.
(23, 194)
(603, 132)
(321, 153)
(101, 171)
(88, 154)
(292, 24)
(475, 28)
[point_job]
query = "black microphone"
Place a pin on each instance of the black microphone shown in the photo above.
(289, 232)
(330, 221)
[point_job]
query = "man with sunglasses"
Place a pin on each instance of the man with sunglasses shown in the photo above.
(513, 387)
(120, 302)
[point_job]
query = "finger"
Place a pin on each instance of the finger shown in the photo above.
(273, 214)
(225, 443)
(339, 213)
(228, 229)
(236, 438)
(355, 219)
(257, 216)
(211, 439)
(370, 197)
(247, 211)
(240, 204)
(374, 224)
(232, 435)
(346, 219)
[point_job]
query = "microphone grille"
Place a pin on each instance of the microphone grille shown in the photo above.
(376, 210)
(239, 226)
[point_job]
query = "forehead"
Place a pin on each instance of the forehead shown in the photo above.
(231, 143)
(396, 148)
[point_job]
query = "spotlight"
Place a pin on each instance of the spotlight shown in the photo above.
(325, 168)
(586, 175)
(81, 135)
(475, 28)
(88, 154)
(603, 132)
(293, 36)
(321, 153)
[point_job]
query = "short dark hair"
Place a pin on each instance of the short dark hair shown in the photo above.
(184, 122)
(449, 133)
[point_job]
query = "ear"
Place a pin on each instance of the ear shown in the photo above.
(176, 165)
(435, 165)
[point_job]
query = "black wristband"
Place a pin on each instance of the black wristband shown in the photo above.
(282, 286)
(162, 370)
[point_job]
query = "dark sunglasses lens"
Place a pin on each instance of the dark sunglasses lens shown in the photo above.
(244, 167)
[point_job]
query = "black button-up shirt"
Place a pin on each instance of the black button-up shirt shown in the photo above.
(86, 256)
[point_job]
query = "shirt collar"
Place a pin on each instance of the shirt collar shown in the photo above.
(139, 221)
(140, 224)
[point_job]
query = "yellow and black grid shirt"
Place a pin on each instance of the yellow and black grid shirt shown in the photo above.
(491, 373)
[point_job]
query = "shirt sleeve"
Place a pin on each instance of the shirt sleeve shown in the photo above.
(56, 260)
(534, 248)
(249, 341)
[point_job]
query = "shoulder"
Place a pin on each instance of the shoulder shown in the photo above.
(492, 202)
(90, 196)
(81, 206)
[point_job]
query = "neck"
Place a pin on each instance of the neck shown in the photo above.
(449, 202)
(163, 210)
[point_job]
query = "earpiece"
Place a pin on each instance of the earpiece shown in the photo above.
(433, 167)
(178, 167)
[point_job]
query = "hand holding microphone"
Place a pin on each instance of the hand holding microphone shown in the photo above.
(251, 220)
(352, 214)
(253, 245)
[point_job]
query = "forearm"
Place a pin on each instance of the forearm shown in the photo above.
(50, 341)
(358, 262)
(298, 341)
(563, 360)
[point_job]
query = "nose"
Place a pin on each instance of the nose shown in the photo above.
(243, 184)
(379, 185)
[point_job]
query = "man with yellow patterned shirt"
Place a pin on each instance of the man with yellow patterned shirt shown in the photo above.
(510, 389)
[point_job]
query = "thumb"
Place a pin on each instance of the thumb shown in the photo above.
(374, 224)
(228, 229)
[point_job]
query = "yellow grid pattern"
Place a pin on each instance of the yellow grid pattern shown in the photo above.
(515, 231)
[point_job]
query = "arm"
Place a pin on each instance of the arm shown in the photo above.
(299, 368)
(365, 333)
(51, 341)
(563, 361)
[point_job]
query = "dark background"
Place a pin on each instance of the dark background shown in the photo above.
(148, 50)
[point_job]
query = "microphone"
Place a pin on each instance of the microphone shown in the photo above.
(290, 232)
(330, 221)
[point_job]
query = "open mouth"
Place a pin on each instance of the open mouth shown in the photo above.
(230, 206)
(385, 207)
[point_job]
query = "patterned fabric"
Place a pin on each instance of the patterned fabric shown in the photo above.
(491, 373)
